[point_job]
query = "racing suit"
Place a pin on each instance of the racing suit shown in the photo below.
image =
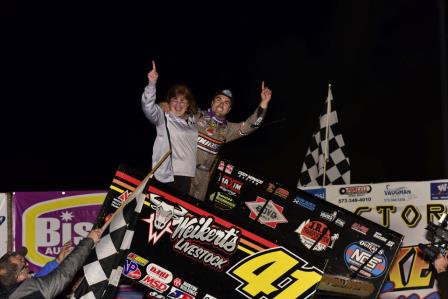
(213, 134)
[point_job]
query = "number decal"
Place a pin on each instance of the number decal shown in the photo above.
(276, 273)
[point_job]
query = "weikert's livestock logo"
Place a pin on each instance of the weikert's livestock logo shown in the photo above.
(48, 225)
(271, 215)
(189, 231)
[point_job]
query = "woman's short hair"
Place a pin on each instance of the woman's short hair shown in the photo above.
(182, 89)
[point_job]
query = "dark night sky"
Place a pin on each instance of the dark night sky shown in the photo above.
(73, 74)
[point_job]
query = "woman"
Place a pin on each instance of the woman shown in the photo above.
(176, 130)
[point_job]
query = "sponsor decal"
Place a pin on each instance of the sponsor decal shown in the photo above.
(229, 169)
(275, 273)
(191, 235)
(355, 190)
(230, 185)
(138, 259)
(280, 192)
(208, 144)
(159, 273)
(249, 178)
(311, 231)
(175, 293)
(397, 194)
(221, 165)
(222, 201)
(328, 216)
(191, 230)
(318, 192)
(131, 270)
(340, 222)
(439, 191)
(154, 283)
(364, 252)
(305, 203)
(379, 236)
(208, 296)
(360, 228)
(165, 216)
(270, 216)
(116, 202)
(189, 288)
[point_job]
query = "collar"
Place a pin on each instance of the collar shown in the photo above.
(219, 121)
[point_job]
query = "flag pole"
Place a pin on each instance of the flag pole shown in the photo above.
(327, 125)
(139, 187)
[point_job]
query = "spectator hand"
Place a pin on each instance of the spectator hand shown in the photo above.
(65, 250)
(95, 234)
(266, 95)
(153, 75)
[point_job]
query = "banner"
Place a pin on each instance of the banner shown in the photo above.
(44, 221)
(182, 250)
(406, 207)
(3, 223)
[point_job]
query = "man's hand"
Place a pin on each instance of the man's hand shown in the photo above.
(65, 250)
(441, 263)
(153, 75)
(266, 95)
(95, 234)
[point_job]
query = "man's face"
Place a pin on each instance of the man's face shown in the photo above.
(23, 271)
(221, 105)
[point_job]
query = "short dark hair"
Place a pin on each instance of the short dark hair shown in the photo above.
(182, 89)
(8, 270)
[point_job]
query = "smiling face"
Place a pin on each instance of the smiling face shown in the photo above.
(179, 105)
(221, 105)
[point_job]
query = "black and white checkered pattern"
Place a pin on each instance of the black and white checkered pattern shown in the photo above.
(337, 165)
(103, 267)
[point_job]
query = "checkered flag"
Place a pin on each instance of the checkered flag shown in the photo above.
(102, 270)
(326, 162)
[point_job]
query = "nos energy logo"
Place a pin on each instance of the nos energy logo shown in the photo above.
(47, 225)
(439, 191)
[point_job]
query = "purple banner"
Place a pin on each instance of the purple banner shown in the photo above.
(44, 221)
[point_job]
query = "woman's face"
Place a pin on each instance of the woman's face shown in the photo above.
(179, 105)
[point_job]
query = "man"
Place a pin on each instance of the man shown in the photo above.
(16, 281)
(215, 130)
(441, 268)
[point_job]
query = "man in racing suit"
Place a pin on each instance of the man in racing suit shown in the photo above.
(214, 131)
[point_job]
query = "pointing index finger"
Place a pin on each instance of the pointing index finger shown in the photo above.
(154, 65)
(262, 85)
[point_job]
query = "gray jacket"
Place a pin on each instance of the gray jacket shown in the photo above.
(55, 282)
(183, 136)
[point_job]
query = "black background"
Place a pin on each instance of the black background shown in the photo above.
(73, 73)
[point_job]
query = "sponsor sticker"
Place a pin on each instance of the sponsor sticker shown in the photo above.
(360, 228)
(365, 258)
(270, 216)
(439, 191)
(304, 203)
(222, 201)
(312, 231)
